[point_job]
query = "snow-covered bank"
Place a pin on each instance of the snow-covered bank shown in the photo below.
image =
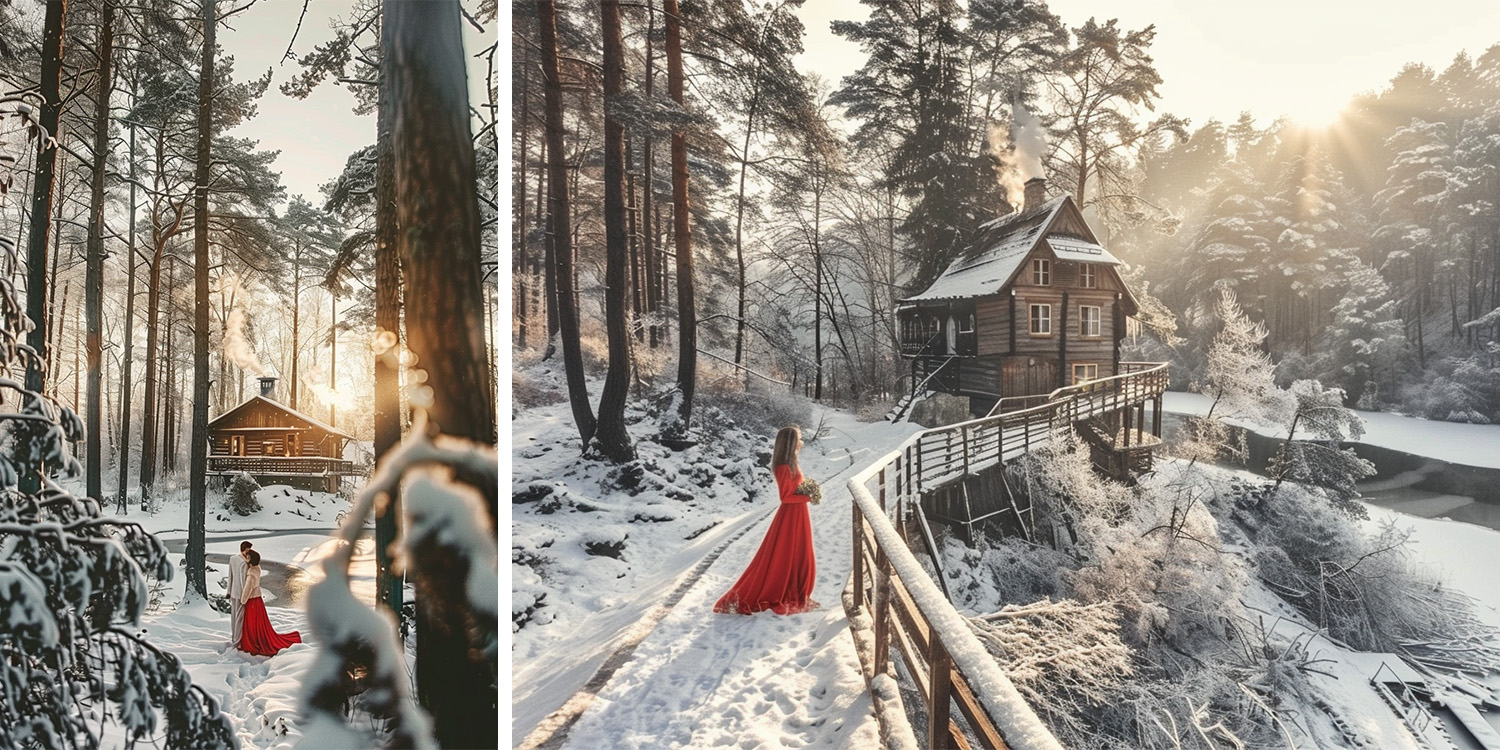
(591, 560)
(1454, 442)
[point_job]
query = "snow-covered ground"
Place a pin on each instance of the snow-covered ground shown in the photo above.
(260, 694)
(1454, 442)
(694, 678)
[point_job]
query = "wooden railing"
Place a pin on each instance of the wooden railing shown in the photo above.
(275, 465)
(891, 594)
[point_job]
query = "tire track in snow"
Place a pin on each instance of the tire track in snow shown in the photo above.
(552, 732)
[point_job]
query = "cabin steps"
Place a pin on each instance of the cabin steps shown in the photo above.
(903, 407)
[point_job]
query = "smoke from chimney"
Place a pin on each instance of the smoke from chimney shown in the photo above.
(237, 348)
(1019, 150)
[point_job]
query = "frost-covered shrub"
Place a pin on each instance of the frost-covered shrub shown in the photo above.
(72, 593)
(1367, 590)
(758, 411)
(448, 545)
(528, 392)
(241, 497)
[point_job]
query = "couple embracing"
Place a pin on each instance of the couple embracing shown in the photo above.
(250, 626)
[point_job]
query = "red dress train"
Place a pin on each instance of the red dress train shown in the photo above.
(781, 575)
(258, 636)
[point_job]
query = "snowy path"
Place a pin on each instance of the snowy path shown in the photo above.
(700, 679)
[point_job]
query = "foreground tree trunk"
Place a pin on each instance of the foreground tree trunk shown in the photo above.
(94, 283)
(127, 362)
(437, 209)
(387, 418)
(687, 315)
(198, 468)
(560, 238)
(611, 436)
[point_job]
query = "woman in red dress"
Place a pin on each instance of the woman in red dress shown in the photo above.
(258, 637)
(780, 577)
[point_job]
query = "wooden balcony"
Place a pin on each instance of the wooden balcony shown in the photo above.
(274, 466)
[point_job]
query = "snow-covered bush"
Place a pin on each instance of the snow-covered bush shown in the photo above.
(1063, 656)
(241, 497)
(758, 410)
(1367, 591)
(448, 548)
(72, 592)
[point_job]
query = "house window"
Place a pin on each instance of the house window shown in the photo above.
(236, 445)
(1041, 320)
(1086, 277)
(966, 324)
(1041, 272)
(1085, 373)
(1088, 321)
(271, 448)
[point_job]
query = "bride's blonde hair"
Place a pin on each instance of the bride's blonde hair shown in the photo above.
(784, 453)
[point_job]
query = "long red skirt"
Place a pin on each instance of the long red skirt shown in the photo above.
(258, 636)
(781, 576)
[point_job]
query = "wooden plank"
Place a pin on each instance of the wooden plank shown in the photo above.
(979, 721)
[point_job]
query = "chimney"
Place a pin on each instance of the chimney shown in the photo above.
(267, 386)
(1036, 193)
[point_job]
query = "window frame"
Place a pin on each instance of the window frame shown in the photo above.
(1087, 366)
(1097, 322)
(1041, 272)
(1088, 276)
(1032, 318)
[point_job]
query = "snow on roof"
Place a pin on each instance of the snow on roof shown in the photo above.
(1073, 248)
(283, 407)
(1006, 242)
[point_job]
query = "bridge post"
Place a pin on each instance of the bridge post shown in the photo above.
(882, 607)
(940, 685)
(1156, 415)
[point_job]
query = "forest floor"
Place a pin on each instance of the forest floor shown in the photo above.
(292, 531)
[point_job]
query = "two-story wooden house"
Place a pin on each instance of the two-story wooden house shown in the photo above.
(1035, 304)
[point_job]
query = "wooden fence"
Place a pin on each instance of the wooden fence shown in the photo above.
(892, 594)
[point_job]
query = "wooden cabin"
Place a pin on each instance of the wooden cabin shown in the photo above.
(1036, 303)
(276, 444)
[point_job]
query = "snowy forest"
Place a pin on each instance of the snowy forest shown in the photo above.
(158, 275)
(711, 241)
(1368, 248)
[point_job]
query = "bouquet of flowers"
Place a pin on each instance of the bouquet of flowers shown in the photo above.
(812, 489)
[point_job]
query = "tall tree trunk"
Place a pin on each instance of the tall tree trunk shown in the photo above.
(387, 416)
(561, 234)
(94, 285)
(648, 195)
(127, 363)
(333, 356)
(739, 227)
(611, 436)
(55, 314)
(518, 253)
(817, 296)
(198, 468)
(438, 211)
(41, 200)
(153, 344)
(296, 320)
(687, 314)
(164, 439)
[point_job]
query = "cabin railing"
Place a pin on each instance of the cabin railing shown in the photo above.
(892, 600)
(277, 465)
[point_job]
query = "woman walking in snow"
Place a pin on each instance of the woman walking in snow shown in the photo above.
(258, 636)
(780, 577)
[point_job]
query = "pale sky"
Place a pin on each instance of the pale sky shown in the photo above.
(1303, 58)
(317, 134)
